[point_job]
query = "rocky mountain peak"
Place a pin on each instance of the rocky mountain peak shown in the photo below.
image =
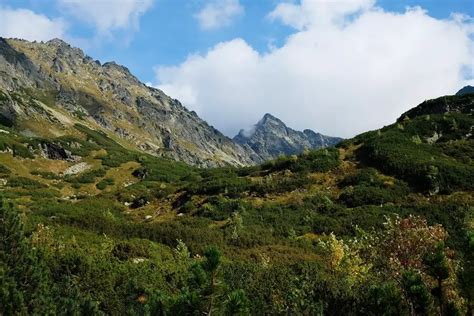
(270, 122)
(268, 118)
(270, 138)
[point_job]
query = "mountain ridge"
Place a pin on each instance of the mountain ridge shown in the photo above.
(271, 137)
(50, 86)
(108, 97)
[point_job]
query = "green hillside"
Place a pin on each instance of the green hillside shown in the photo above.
(381, 225)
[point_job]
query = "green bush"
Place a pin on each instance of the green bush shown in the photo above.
(102, 184)
(16, 144)
(321, 160)
(4, 171)
(46, 174)
(230, 186)
(20, 150)
(87, 177)
(421, 165)
(130, 249)
(367, 176)
(372, 195)
(219, 208)
(25, 183)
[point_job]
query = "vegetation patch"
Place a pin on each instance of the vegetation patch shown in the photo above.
(25, 183)
(86, 177)
(4, 171)
(46, 174)
(102, 184)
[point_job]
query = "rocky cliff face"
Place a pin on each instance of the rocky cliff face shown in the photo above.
(45, 88)
(270, 138)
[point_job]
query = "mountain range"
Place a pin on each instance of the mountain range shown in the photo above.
(96, 220)
(48, 87)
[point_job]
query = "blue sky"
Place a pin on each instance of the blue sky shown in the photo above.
(155, 39)
(168, 31)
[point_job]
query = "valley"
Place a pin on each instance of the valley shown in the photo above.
(117, 200)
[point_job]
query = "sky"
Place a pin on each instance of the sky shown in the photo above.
(340, 67)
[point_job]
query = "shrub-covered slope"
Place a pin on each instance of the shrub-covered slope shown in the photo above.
(383, 224)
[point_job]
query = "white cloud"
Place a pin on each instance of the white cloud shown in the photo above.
(346, 69)
(312, 13)
(107, 15)
(26, 24)
(219, 13)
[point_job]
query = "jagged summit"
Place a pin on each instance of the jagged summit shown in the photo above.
(268, 117)
(270, 138)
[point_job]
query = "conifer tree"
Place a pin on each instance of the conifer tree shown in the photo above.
(24, 278)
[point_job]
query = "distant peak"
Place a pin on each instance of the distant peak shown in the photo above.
(270, 138)
(466, 90)
(270, 118)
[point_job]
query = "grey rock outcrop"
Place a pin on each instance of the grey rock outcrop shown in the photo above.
(270, 138)
(55, 152)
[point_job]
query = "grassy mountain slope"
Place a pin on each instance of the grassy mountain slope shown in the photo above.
(316, 233)
(45, 88)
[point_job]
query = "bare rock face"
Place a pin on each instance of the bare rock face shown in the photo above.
(70, 83)
(55, 152)
(270, 138)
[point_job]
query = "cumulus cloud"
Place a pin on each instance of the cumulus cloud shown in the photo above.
(313, 13)
(107, 15)
(347, 68)
(26, 24)
(219, 13)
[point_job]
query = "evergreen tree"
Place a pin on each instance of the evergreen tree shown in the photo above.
(236, 303)
(24, 278)
(438, 268)
(417, 293)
